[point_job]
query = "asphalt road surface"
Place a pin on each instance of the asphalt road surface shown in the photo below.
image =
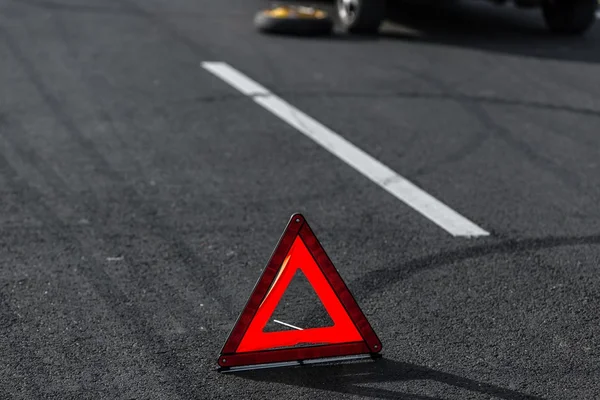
(142, 194)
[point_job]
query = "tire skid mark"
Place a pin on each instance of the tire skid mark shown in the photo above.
(199, 50)
(71, 50)
(375, 281)
(456, 96)
(479, 112)
(30, 362)
(183, 379)
(176, 301)
(50, 177)
(566, 177)
(178, 245)
(55, 6)
(98, 233)
(95, 274)
(27, 358)
(468, 147)
(41, 365)
(471, 146)
(8, 317)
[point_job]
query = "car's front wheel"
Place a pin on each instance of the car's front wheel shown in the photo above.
(361, 16)
(569, 16)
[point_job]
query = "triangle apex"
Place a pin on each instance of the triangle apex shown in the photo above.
(297, 218)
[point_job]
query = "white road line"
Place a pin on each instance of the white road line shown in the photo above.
(401, 188)
(288, 325)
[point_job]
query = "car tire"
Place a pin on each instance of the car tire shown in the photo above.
(571, 17)
(361, 16)
(293, 25)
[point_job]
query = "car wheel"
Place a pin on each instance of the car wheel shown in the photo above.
(361, 16)
(294, 20)
(569, 16)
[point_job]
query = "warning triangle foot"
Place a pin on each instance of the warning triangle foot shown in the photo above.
(249, 344)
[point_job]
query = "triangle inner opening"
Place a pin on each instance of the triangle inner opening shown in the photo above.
(299, 307)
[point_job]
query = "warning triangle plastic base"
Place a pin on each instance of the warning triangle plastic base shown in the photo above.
(248, 345)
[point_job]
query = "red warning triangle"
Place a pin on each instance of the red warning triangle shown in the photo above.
(351, 334)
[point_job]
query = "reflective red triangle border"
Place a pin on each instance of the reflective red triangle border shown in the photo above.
(298, 226)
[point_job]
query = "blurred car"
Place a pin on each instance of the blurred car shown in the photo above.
(562, 16)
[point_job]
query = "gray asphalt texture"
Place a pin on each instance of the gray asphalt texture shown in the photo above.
(141, 197)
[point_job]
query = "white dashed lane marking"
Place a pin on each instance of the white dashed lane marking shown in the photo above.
(393, 183)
